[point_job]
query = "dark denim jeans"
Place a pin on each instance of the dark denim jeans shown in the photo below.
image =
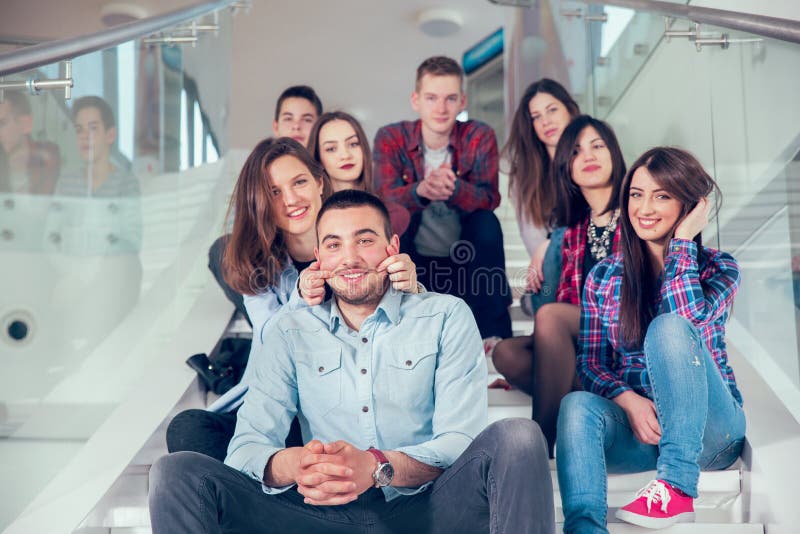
(474, 271)
(500, 484)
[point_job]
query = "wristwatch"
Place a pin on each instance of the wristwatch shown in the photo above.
(384, 473)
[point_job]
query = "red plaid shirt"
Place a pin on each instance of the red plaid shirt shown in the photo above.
(400, 162)
(573, 252)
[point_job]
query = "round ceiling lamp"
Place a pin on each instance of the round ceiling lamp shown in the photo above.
(439, 21)
(116, 13)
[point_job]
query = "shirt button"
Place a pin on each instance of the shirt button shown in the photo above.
(363, 371)
(408, 363)
(321, 369)
(364, 340)
(365, 409)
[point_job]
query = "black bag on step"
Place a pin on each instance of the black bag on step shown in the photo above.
(225, 367)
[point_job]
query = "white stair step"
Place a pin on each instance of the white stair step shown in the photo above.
(517, 264)
(521, 327)
(514, 397)
(725, 481)
(719, 498)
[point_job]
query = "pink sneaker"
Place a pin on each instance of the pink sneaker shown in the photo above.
(658, 505)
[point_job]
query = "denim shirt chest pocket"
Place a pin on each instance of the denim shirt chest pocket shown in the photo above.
(411, 369)
(319, 380)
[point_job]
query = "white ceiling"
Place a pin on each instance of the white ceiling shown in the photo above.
(360, 55)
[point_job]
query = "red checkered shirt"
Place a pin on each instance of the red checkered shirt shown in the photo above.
(573, 252)
(400, 162)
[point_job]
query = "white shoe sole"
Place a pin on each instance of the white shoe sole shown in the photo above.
(653, 522)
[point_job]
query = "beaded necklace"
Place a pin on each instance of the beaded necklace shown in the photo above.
(600, 247)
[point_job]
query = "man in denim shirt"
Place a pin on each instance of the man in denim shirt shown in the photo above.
(390, 391)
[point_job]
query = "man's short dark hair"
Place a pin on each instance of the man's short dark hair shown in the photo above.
(440, 66)
(354, 198)
(106, 114)
(299, 91)
(20, 105)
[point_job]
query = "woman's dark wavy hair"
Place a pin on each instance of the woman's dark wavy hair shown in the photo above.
(364, 181)
(571, 207)
(680, 174)
(529, 162)
(256, 252)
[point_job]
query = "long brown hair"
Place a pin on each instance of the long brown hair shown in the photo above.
(571, 207)
(364, 181)
(256, 252)
(680, 174)
(529, 162)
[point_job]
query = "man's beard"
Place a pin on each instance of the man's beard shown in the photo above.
(371, 294)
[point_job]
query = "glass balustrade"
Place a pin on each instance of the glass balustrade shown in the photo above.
(108, 202)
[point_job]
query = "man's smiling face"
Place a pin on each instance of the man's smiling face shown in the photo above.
(352, 244)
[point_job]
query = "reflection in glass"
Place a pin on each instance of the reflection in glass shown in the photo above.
(26, 166)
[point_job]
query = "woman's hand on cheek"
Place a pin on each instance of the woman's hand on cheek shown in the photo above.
(312, 284)
(401, 270)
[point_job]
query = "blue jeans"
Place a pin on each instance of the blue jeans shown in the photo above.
(702, 427)
(551, 269)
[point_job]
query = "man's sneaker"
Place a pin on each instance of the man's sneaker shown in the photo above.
(658, 505)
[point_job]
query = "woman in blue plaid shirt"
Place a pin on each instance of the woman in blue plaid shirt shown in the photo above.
(659, 393)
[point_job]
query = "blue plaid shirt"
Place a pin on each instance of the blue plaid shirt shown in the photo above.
(702, 293)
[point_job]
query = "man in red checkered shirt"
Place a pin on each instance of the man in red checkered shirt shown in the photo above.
(445, 173)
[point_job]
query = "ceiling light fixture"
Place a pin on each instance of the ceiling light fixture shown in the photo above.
(116, 13)
(439, 21)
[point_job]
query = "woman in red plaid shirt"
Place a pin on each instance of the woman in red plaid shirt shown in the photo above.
(588, 168)
(659, 393)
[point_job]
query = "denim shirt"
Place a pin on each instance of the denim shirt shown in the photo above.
(412, 380)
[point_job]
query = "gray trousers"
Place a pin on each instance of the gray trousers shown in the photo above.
(500, 484)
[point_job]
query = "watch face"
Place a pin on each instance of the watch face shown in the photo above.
(384, 475)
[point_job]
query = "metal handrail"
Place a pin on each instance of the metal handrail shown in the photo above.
(51, 52)
(772, 27)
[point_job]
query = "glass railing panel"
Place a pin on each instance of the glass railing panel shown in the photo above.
(756, 144)
(103, 220)
(667, 103)
(621, 47)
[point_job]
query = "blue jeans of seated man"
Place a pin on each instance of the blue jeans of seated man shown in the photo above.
(551, 268)
(500, 484)
(702, 427)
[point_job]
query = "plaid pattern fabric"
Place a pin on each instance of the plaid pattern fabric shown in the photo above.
(702, 293)
(573, 253)
(399, 163)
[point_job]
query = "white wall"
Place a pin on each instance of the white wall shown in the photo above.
(786, 9)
